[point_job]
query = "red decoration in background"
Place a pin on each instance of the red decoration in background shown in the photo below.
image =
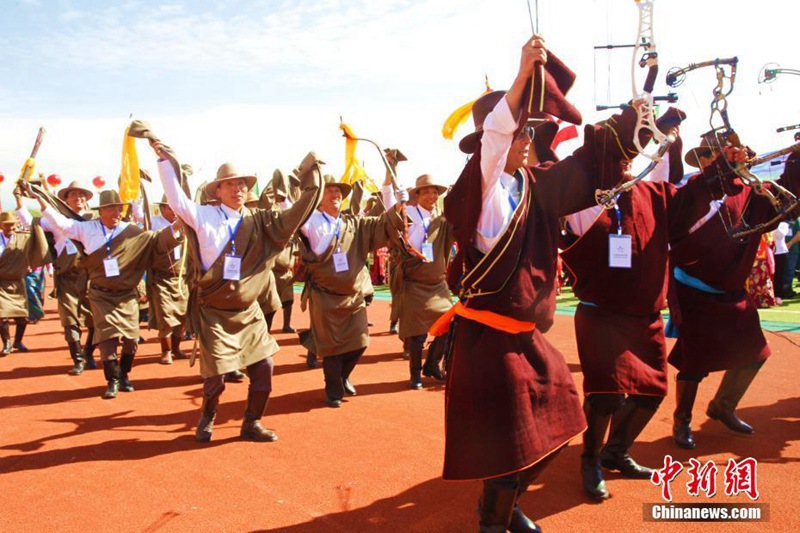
(98, 182)
(54, 180)
(2, 178)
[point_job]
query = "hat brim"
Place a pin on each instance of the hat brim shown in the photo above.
(62, 194)
(120, 204)
(469, 143)
(344, 187)
(441, 189)
(211, 187)
(692, 157)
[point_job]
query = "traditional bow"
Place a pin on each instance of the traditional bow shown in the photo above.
(782, 200)
(645, 105)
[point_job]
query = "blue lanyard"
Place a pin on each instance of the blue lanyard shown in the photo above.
(337, 230)
(424, 226)
(232, 232)
(619, 216)
(510, 197)
(108, 240)
(3, 238)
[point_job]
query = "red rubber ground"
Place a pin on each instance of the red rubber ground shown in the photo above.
(70, 461)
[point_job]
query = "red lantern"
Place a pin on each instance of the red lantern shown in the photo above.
(54, 180)
(98, 182)
(2, 178)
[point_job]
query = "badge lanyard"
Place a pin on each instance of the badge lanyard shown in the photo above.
(424, 226)
(4, 240)
(109, 239)
(232, 232)
(337, 231)
(510, 197)
(618, 214)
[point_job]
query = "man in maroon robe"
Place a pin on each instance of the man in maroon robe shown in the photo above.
(618, 324)
(717, 322)
(511, 402)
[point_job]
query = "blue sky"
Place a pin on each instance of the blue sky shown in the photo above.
(261, 83)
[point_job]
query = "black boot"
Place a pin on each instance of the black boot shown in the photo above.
(591, 475)
(393, 327)
(112, 373)
(205, 426)
(682, 418)
(125, 384)
(77, 358)
(415, 364)
(627, 423)
(88, 350)
(18, 334)
(287, 319)
(5, 337)
(166, 352)
(235, 376)
(432, 362)
(269, 317)
(311, 360)
(734, 384)
(496, 505)
(176, 338)
(251, 427)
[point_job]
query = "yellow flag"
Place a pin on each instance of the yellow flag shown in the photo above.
(353, 171)
(27, 169)
(460, 115)
(129, 174)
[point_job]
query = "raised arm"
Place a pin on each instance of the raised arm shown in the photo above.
(183, 206)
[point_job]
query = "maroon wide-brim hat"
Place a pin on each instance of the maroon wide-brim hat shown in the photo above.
(558, 81)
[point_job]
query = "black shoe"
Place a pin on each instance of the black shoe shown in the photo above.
(332, 402)
(592, 479)
(311, 360)
(90, 363)
(254, 431)
(729, 418)
(77, 368)
(393, 328)
(625, 465)
(521, 523)
(416, 381)
(19, 347)
(235, 376)
(205, 427)
(433, 372)
(125, 384)
(6, 348)
(112, 390)
(288, 329)
(349, 389)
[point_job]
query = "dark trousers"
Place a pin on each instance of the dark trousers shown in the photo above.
(338, 368)
(777, 282)
(260, 375)
(108, 349)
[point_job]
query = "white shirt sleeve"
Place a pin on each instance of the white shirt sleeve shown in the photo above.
(496, 210)
(25, 218)
(137, 211)
(387, 192)
(72, 229)
(176, 198)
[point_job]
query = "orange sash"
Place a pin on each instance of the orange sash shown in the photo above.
(487, 318)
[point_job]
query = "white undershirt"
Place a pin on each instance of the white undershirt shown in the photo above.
(416, 229)
(91, 233)
(26, 219)
(499, 187)
(210, 223)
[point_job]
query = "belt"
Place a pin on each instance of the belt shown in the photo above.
(487, 318)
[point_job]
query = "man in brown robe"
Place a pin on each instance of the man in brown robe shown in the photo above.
(269, 299)
(334, 249)
(233, 245)
(511, 403)
(420, 292)
(285, 188)
(717, 322)
(70, 280)
(167, 291)
(19, 252)
(117, 255)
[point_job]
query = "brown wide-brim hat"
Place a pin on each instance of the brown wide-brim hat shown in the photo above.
(426, 180)
(8, 217)
(251, 198)
(344, 187)
(109, 198)
(704, 149)
(227, 172)
(74, 186)
(163, 201)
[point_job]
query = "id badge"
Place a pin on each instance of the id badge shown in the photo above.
(619, 251)
(111, 267)
(232, 268)
(70, 247)
(340, 262)
(427, 251)
(176, 253)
